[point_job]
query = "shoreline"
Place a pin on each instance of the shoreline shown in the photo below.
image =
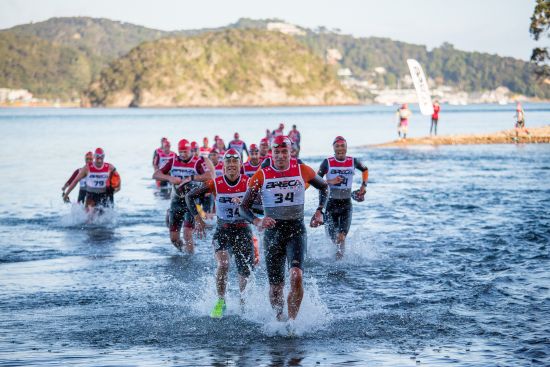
(538, 135)
(68, 104)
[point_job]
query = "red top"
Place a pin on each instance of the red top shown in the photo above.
(249, 169)
(436, 112)
(194, 164)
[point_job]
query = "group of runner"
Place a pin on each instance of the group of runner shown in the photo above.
(266, 191)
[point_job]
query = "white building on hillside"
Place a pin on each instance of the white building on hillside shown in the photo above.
(285, 28)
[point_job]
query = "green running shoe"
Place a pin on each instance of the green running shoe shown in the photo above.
(218, 310)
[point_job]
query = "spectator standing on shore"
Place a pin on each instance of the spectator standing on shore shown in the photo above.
(520, 120)
(435, 117)
(403, 114)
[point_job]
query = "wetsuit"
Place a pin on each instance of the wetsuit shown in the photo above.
(204, 151)
(232, 233)
(339, 209)
(283, 195)
(179, 213)
(239, 146)
(249, 170)
(159, 160)
(97, 182)
(294, 136)
(82, 183)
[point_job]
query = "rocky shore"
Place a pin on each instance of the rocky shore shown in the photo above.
(537, 135)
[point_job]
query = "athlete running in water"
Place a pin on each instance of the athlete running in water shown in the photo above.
(88, 158)
(295, 136)
(205, 149)
(265, 151)
(214, 157)
(238, 145)
(282, 187)
(220, 146)
(163, 155)
(280, 131)
(182, 172)
(233, 235)
(340, 170)
(97, 174)
(403, 114)
(253, 164)
(155, 153)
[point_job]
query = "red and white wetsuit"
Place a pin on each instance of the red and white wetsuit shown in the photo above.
(249, 169)
(97, 178)
(238, 145)
(226, 209)
(162, 157)
(283, 192)
(344, 169)
(203, 152)
(179, 168)
(219, 169)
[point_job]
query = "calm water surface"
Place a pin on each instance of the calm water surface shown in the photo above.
(447, 263)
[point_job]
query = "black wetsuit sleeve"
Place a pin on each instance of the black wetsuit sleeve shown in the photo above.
(246, 149)
(360, 166)
(245, 209)
(323, 169)
(195, 194)
(322, 186)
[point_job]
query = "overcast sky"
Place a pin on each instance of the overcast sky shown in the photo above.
(494, 26)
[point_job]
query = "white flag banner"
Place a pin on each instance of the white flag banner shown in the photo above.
(421, 86)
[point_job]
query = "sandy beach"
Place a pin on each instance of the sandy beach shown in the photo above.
(537, 135)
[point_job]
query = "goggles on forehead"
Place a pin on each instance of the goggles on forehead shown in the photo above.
(283, 144)
(234, 156)
(99, 155)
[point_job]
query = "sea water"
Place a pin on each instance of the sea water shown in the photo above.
(447, 258)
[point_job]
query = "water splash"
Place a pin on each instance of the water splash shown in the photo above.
(78, 216)
(314, 314)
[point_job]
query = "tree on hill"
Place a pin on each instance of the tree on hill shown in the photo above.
(540, 24)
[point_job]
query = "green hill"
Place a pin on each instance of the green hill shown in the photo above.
(103, 38)
(96, 42)
(48, 70)
(469, 71)
(227, 68)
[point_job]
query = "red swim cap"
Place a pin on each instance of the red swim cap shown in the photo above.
(264, 141)
(88, 154)
(99, 152)
(231, 153)
(281, 141)
(253, 147)
(194, 145)
(339, 139)
(183, 145)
